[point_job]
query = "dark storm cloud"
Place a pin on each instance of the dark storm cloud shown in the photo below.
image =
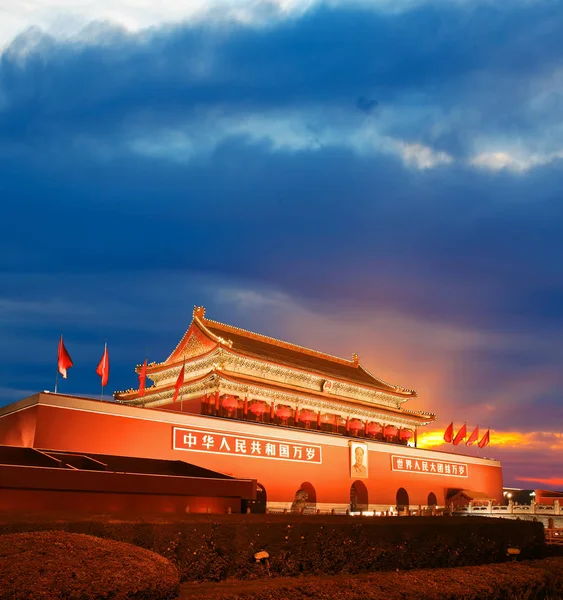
(327, 224)
(99, 197)
(329, 56)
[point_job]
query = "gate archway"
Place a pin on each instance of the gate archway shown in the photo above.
(432, 500)
(358, 496)
(305, 499)
(402, 500)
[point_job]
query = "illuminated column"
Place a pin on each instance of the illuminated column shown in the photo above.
(216, 402)
(245, 407)
(319, 419)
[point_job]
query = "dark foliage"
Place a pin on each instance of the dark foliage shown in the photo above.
(215, 548)
(530, 580)
(53, 565)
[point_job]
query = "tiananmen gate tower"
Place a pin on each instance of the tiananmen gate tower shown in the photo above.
(309, 430)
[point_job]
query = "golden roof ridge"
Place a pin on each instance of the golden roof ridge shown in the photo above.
(397, 388)
(276, 341)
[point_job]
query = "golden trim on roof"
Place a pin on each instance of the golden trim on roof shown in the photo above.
(215, 377)
(210, 329)
(199, 314)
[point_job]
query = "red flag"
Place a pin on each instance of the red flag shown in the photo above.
(143, 378)
(179, 383)
(473, 437)
(460, 434)
(449, 433)
(103, 367)
(485, 440)
(65, 362)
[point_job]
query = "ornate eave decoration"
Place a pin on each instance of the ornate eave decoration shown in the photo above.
(223, 358)
(214, 382)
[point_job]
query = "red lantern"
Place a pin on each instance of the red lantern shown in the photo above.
(406, 434)
(258, 408)
(390, 431)
(307, 416)
(355, 424)
(230, 403)
(284, 412)
(373, 428)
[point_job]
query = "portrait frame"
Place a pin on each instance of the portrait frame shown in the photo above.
(359, 451)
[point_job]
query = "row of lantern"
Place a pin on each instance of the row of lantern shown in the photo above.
(258, 408)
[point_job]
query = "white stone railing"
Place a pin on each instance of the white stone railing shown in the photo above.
(512, 509)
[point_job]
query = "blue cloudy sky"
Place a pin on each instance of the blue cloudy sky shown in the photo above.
(377, 177)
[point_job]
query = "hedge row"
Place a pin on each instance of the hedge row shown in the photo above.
(533, 580)
(213, 549)
(53, 565)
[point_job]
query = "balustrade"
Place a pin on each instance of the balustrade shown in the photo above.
(258, 411)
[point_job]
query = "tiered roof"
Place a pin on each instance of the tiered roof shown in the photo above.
(358, 388)
(262, 347)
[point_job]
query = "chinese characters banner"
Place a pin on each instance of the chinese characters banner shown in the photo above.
(433, 467)
(241, 445)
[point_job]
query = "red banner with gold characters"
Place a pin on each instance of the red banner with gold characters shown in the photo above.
(428, 467)
(211, 442)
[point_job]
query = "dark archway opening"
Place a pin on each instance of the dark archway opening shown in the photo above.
(358, 497)
(402, 500)
(305, 499)
(432, 500)
(258, 505)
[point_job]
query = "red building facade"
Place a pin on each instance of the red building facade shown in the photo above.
(304, 424)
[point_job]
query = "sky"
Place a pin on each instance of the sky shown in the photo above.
(350, 175)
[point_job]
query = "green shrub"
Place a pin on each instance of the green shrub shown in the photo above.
(54, 565)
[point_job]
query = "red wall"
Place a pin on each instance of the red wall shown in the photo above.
(40, 488)
(95, 502)
(136, 435)
(18, 428)
(548, 497)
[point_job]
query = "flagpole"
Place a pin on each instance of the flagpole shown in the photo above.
(103, 369)
(182, 396)
(57, 376)
(146, 360)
